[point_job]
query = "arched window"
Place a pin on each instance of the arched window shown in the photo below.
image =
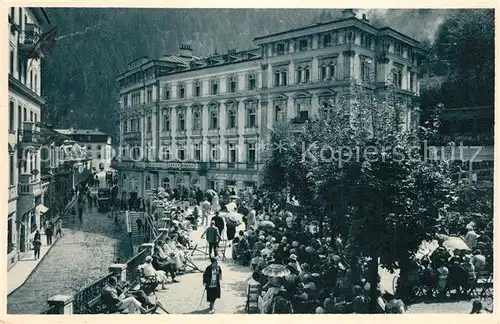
(148, 183)
(214, 119)
(182, 91)
(166, 120)
(214, 86)
(278, 113)
(299, 74)
(124, 182)
(366, 70)
(231, 120)
(182, 122)
(196, 121)
(251, 109)
(252, 84)
(165, 183)
(232, 84)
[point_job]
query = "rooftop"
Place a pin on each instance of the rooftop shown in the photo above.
(73, 131)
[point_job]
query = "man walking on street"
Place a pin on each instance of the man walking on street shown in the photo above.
(211, 281)
(36, 247)
(219, 223)
(59, 228)
(49, 232)
(213, 238)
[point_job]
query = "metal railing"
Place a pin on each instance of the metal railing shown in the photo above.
(133, 266)
(81, 301)
(84, 296)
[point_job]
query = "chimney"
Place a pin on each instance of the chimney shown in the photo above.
(186, 51)
(348, 13)
(364, 18)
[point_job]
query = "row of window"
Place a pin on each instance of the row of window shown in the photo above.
(33, 162)
(327, 39)
(232, 87)
(232, 121)
(28, 79)
(22, 116)
(167, 155)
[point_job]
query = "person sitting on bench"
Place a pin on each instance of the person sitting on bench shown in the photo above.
(150, 273)
(118, 302)
(164, 264)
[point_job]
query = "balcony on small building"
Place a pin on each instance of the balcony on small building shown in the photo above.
(29, 37)
(196, 132)
(251, 130)
(132, 136)
(213, 132)
(28, 135)
(25, 185)
(12, 192)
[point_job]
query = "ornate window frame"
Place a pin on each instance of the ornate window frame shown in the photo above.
(230, 79)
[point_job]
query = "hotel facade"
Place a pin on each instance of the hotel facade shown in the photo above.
(26, 188)
(187, 121)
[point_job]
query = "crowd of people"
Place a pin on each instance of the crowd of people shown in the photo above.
(320, 277)
(316, 275)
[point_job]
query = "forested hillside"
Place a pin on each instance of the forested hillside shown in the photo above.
(95, 45)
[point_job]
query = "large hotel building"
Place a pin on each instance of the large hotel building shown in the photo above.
(26, 187)
(210, 115)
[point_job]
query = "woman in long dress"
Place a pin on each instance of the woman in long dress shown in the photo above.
(215, 204)
(251, 219)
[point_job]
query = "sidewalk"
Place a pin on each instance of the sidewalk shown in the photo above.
(19, 273)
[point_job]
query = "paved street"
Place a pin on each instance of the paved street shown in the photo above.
(83, 254)
(184, 297)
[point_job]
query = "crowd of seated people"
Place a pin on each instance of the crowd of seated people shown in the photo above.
(170, 258)
(325, 279)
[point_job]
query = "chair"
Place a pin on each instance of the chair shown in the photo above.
(484, 283)
(253, 292)
(221, 249)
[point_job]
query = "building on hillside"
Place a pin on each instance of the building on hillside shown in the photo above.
(203, 121)
(94, 144)
(28, 36)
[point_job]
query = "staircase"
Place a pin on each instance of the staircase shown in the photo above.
(148, 232)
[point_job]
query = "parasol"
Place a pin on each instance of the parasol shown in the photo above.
(310, 250)
(452, 243)
(276, 270)
(231, 207)
(235, 217)
(211, 192)
(267, 224)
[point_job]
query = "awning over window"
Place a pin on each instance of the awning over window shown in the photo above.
(42, 208)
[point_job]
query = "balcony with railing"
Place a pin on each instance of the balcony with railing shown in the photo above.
(196, 132)
(29, 136)
(12, 192)
(213, 132)
(132, 136)
(29, 37)
(235, 166)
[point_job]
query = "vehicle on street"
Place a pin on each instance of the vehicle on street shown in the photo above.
(103, 199)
